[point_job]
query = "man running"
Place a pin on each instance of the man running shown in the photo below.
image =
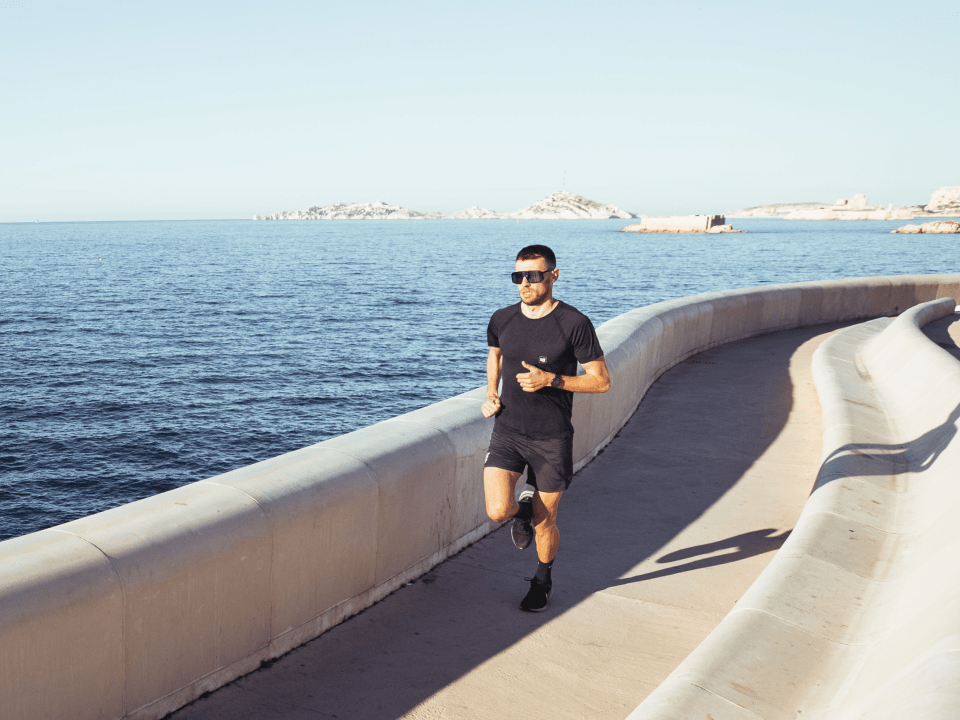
(535, 346)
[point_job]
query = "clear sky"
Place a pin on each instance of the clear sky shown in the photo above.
(129, 110)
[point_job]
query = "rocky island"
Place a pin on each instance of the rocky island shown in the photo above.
(563, 205)
(938, 227)
(682, 224)
(345, 211)
(943, 202)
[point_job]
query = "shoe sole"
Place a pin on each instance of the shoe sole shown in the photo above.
(523, 528)
(537, 610)
(546, 601)
(524, 542)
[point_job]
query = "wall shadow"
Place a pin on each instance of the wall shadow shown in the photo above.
(701, 426)
(945, 332)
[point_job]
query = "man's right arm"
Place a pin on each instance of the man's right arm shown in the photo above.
(494, 368)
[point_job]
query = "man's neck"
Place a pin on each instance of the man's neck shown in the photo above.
(535, 312)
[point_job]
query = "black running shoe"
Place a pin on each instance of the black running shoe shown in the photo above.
(537, 598)
(522, 530)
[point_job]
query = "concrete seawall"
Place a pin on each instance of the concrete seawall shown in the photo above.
(856, 617)
(138, 610)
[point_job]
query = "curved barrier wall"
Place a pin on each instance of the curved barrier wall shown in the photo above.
(858, 615)
(138, 610)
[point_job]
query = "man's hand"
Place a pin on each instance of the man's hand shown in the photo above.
(534, 379)
(491, 407)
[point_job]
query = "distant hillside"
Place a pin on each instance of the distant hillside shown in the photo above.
(944, 202)
(564, 205)
(345, 211)
(561, 205)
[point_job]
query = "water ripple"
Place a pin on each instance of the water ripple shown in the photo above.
(190, 350)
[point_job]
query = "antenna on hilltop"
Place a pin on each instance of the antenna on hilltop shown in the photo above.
(564, 186)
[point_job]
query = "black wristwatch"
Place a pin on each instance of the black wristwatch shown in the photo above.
(557, 382)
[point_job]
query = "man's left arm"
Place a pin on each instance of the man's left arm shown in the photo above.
(595, 379)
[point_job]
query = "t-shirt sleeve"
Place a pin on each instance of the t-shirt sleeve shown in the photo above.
(586, 344)
(493, 335)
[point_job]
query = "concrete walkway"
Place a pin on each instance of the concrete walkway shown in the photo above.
(661, 535)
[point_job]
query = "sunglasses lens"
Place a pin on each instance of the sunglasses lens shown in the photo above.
(534, 276)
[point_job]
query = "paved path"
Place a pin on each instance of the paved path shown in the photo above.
(661, 534)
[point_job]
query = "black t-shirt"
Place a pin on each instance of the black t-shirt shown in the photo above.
(554, 343)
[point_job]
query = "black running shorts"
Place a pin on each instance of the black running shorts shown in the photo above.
(550, 461)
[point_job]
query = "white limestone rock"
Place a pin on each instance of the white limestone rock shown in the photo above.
(855, 209)
(938, 227)
(681, 224)
(473, 213)
(778, 210)
(945, 201)
(559, 206)
(565, 205)
(874, 213)
(347, 211)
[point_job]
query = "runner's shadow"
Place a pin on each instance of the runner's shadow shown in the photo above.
(913, 456)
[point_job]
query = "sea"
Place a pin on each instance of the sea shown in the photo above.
(136, 357)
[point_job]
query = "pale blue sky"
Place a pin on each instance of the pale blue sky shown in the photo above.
(120, 110)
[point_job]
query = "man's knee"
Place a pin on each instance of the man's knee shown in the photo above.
(501, 506)
(545, 511)
(501, 511)
(498, 486)
(545, 523)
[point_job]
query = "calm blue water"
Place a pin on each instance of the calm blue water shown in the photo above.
(194, 348)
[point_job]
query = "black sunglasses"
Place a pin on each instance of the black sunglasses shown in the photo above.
(532, 276)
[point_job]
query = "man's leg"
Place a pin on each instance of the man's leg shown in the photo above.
(499, 486)
(547, 536)
(545, 530)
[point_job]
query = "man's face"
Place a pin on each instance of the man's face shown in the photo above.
(535, 293)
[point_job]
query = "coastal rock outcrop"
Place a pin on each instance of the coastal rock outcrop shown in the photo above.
(346, 211)
(778, 210)
(561, 205)
(945, 201)
(565, 205)
(840, 213)
(855, 208)
(473, 213)
(681, 224)
(937, 227)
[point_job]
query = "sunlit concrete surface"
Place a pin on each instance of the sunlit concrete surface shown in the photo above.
(856, 616)
(661, 535)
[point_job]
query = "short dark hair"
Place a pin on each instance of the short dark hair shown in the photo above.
(532, 252)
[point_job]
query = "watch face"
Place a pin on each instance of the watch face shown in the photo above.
(556, 381)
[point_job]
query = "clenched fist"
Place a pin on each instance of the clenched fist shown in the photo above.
(491, 407)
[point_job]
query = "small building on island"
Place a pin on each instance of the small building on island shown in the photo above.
(857, 202)
(681, 224)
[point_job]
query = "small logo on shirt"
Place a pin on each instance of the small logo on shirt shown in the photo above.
(543, 358)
